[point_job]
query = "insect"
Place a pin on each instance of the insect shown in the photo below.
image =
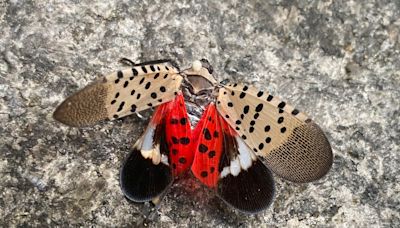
(231, 136)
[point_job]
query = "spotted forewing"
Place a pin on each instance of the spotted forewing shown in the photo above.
(120, 94)
(293, 146)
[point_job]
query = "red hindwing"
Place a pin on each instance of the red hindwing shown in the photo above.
(178, 135)
(207, 147)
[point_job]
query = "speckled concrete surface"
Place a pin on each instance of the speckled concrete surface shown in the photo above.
(336, 60)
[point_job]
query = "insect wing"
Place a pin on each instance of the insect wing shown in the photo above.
(178, 136)
(224, 162)
(120, 94)
(292, 145)
(145, 173)
(153, 164)
(207, 147)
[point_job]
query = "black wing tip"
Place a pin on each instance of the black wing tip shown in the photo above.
(250, 192)
(141, 180)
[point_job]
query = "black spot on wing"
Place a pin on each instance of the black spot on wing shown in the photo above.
(256, 116)
(207, 134)
(120, 74)
(216, 134)
(182, 160)
(212, 169)
(174, 140)
(147, 86)
(121, 106)
(141, 81)
(261, 146)
(211, 154)
(134, 72)
(203, 148)
(184, 140)
(183, 121)
(133, 108)
(259, 107)
(246, 109)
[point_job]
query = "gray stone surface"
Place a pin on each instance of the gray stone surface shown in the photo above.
(336, 60)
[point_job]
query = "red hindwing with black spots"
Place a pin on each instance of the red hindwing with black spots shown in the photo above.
(225, 163)
(178, 134)
(207, 147)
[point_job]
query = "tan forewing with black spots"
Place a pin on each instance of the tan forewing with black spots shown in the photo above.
(120, 94)
(293, 146)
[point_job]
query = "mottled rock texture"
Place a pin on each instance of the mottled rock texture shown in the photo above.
(339, 61)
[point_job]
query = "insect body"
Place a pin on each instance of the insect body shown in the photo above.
(240, 134)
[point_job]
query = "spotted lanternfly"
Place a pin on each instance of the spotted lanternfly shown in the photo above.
(240, 134)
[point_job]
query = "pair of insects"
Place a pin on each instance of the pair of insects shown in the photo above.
(240, 134)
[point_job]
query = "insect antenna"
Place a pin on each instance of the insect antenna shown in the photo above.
(129, 62)
(126, 62)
